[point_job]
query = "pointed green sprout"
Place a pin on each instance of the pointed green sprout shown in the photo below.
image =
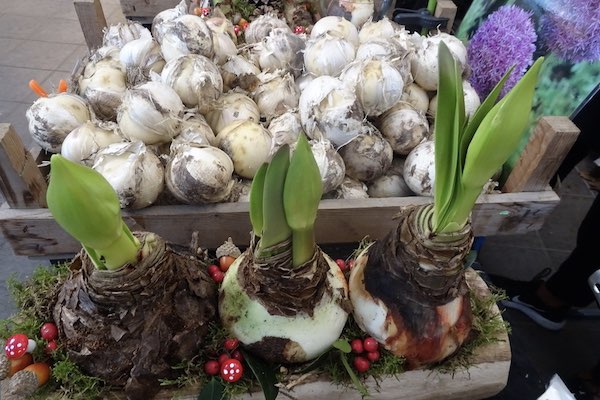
(85, 205)
(301, 196)
(275, 228)
(468, 153)
(284, 200)
(256, 200)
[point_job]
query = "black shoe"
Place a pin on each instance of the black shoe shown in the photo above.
(550, 318)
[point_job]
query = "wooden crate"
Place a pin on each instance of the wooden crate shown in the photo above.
(144, 11)
(31, 231)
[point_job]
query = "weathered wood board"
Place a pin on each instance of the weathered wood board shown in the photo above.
(145, 10)
(33, 232)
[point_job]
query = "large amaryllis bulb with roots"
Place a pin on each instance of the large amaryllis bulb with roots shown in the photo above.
(283, 298)
(408, 290)
(132, 306)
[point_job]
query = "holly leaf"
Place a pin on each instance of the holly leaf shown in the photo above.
(265, 374)
(215, 390)
(342, 345)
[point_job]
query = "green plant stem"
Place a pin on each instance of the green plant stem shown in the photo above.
(122, 251)
(303, 245)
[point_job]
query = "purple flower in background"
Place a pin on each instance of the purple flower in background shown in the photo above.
(506, 38)
(571, 29)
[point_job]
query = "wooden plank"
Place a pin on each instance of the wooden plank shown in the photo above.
(145, 9)
(548, 145)
(21, 181)
(92, 21)
(34, 232)
(446, 9)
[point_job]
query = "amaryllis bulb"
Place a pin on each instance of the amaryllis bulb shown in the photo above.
(119, 34)
(187, 34)
(329, 109)
(200, 174)
(136, 174)
(260, 28)
(52, 118)
(151, 112)
(328, 54)
(83, 142)
(196, 79)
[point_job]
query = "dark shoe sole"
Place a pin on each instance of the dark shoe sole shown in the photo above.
(536, 315)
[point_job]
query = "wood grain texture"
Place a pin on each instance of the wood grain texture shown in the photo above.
(487, 376)
(21, 181)
(446, 9)
(146, 9)
(34, 233)
(548, 145)
(92, 21)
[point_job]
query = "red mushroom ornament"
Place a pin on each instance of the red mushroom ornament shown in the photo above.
(17, 345)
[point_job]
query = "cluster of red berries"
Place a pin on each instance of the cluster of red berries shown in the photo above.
(367, 352)
(217, 272)
(229, 364)
(49, 333)
(345, 266)
(240, 26)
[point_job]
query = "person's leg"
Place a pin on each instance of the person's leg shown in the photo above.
(569, 283)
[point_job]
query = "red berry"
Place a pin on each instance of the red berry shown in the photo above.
(223, 357)
(48, 331)
(51, 346)
(231, 344)
(373, 356)
(232, 370)
(357, 346)
(237, 29)
(237, 355)
(217, 276)
(299, 29)
(205, 11)
(213, 268)
(243, 24)
(361, 364)
(342, 264)
(350, 263)
(212, 367)
(370, 344)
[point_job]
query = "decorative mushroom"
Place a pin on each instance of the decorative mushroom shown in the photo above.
(17, 345)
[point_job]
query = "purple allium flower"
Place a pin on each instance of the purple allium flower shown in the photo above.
(506, 38)
(571, 29)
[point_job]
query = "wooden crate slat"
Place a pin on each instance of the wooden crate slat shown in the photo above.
(92, 21)
(446, 9)
(548, 145)
(34, 232)
(21, 181)
(146, 8)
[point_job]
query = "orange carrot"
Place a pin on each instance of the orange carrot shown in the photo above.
(62, 86)
(37, 89)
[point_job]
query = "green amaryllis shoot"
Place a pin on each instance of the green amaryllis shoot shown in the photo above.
(408, 290)
(283, 298)
(132, 307)
(85, 205)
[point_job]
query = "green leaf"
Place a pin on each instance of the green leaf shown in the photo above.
(256, 199)
(362, 389)
(214, 390)
(316, 363)
(301, 197)
(478, 116)
(265, 374)
(495, 140)
(86, 206)
(303, 187)
(450, 117)
(275, 227)
(342, 345)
